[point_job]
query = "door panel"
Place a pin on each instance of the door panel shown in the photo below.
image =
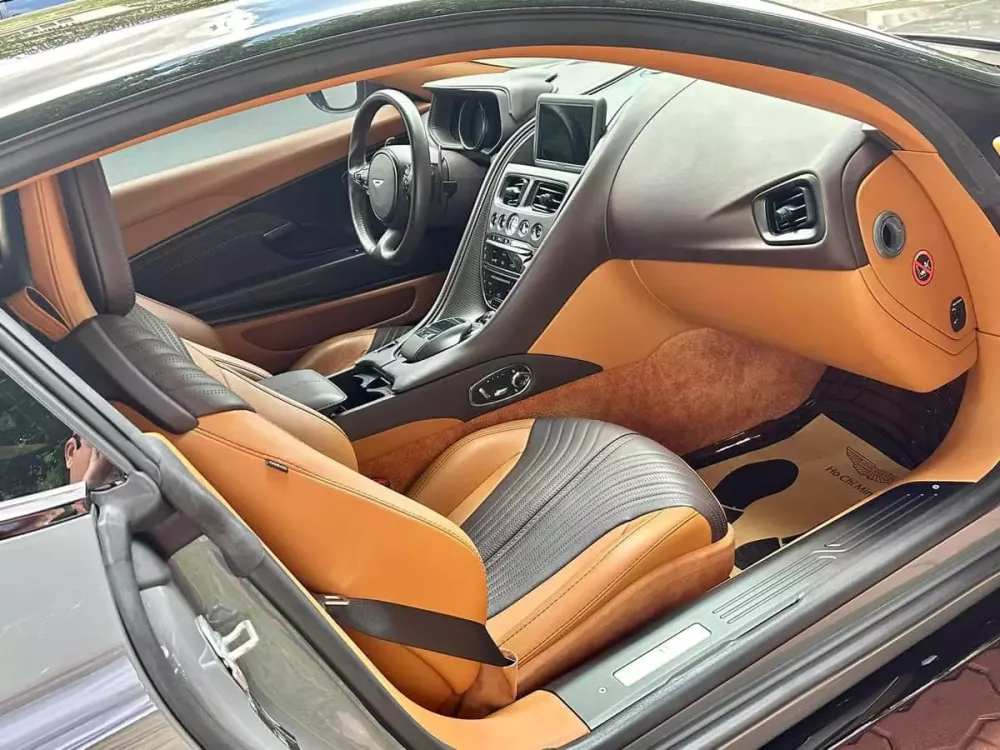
(258, 241)
(291, 248)
(155, 208)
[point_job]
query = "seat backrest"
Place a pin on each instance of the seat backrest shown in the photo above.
(337, 531)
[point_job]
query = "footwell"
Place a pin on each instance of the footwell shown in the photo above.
(773, 495)
(851, 439)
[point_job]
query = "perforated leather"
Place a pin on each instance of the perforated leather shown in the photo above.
(162, 358)
(158, 328)
(577, 480)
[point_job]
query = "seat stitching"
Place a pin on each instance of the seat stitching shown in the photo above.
(598, 462)
(359, 493)
(583, 575)
(593, 604)
(46, 219)
(592, 568)
(563, 631)
(517, 455)
(468, 439)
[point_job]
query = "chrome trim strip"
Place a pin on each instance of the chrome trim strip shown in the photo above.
(42, 509)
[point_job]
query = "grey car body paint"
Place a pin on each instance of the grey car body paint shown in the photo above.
(66, 673)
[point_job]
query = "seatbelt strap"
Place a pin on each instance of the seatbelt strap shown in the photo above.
(420, 628)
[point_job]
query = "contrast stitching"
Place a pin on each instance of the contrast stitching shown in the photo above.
(590, 570)
(352, 490)
(548, 642)
(443, 458)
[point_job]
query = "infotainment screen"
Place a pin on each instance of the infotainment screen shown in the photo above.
(566, 129)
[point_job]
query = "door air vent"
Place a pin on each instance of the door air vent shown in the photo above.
(789, 213)
(513, 190)
(548, 197)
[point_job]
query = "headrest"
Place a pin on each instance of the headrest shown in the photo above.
(97, 239)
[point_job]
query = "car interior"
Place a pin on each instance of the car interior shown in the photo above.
(545, 379)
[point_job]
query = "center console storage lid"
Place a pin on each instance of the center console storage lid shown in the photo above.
(306, 387)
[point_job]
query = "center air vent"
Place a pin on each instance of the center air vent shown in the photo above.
(788, 214)
(548, 197)
(513, 189)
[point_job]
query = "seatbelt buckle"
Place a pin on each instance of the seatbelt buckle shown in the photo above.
(333, 600)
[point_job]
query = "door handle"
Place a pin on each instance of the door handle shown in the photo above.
(300, 240)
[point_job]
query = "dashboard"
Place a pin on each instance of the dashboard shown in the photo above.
(734, 210)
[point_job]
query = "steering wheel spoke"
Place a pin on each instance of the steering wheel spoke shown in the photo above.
(359, 176)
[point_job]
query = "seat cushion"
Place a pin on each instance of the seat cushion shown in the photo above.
(341, 352)
(586, 530)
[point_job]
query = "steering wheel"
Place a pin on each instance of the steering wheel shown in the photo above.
(394, 186)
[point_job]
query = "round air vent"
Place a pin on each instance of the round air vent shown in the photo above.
(890, 234)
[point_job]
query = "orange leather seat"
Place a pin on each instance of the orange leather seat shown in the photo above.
(557, 535)
(333, 355)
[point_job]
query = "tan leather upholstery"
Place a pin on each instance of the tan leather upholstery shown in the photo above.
(335, 354)
(186, 325)
(309, 426)
(339, 353)
(539, 720)
(57, 301)
(631, 574)
(340, 532)
(229, 362)
(466, 473)
(536, 529)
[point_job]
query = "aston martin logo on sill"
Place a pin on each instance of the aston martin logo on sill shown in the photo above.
(867, 469)
(377, 183)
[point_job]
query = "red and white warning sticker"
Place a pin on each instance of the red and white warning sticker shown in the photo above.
(923, 268)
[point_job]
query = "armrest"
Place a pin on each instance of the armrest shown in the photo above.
(307, 387)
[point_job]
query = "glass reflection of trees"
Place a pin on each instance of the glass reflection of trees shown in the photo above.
(31, 444)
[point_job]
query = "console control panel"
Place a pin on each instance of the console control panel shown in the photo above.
(521, 215)
(502, 385)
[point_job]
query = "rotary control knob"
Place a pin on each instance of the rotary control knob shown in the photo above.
(522, 228)
(520, 380)
(536, 232)
(512, 221)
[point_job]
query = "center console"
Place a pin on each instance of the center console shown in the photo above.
(454, 363)
(523, 211)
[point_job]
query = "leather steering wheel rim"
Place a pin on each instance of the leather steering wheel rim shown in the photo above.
(400, 239)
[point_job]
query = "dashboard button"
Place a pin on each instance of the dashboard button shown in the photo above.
(522, 228)
(536, 232)
(512, 223)
(493, 219)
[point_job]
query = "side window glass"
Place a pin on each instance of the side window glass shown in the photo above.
(229, 133)
(38, 452)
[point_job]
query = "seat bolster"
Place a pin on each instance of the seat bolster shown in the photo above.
(671, 548)
(228, 361)
(471, 468)
(309, 426)
(342, 533)
(336, 354)
(186, 325)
